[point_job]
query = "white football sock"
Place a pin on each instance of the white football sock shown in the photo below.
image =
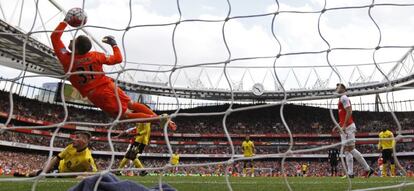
(360, 159)
(349, 162)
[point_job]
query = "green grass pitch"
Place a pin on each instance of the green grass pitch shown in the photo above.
(219, 183)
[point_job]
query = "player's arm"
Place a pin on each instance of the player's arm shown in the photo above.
(121, 134)
(116, 58)
(143, 132)
(393, 140)
(93, 165)
(347, 105)
(55, 160)
(126, 133)
(329, 156)
(337, 155)
(57, 43)
(47, 169)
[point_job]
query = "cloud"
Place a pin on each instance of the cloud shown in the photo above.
(198, 42)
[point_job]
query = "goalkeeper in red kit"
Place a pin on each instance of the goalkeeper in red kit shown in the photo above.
(97, 87)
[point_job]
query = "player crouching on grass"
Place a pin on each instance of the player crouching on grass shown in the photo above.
(97, 87)
(140, 139)
(76, 157)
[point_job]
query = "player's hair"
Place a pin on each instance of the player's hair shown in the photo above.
(83, 44)
(342, 85)
(89, 135)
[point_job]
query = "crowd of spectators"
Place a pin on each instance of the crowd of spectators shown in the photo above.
(184, 149)
(301, 119)
(12, 161)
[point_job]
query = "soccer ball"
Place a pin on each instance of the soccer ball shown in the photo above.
(76, 17)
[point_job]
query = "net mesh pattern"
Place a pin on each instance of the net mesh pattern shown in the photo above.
(228, 61)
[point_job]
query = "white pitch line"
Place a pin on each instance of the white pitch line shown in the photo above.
(248, 182)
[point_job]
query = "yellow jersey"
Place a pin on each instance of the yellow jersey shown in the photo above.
(248, 148)
(175, 159)
(74, 161)
(144, 133)
(304, 167)
(386, 144)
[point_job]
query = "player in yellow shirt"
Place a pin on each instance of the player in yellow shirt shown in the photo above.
(175, 160)
(248, 151)
(304, 169)
(76, 157)
(140, 139)
(386, 144)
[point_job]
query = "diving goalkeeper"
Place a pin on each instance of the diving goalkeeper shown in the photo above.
(97, 87)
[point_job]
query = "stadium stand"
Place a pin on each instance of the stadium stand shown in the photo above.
(269, 136)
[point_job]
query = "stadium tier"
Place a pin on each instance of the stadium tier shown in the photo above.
(208, 143)
(206, 95)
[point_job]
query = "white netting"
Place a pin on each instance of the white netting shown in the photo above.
(228, 61)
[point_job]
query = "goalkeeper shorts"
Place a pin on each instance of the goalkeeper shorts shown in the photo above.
(104, 97)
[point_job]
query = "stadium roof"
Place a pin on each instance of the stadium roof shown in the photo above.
(314, 83)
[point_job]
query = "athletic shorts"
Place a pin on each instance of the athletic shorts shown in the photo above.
(104, 97)
(248, 164)
(133, 150)
(387, 156)
(334, 162)
(349, 135)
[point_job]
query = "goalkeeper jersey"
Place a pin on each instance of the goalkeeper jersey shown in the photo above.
(91, 61)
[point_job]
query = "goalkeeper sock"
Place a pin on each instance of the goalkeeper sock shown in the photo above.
(357, 155)
(123, 163)
(141, 108)
(244, 171)
(252, 171)
(392, 168)
(349, 162)
(138, 164)
(384, 170)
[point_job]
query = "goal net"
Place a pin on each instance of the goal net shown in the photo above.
(295, 51)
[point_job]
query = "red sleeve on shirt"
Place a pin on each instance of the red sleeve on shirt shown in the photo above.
(58, 46)
(112, 59)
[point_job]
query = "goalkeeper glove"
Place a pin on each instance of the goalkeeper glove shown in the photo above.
(67, 18)
(109, 40)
